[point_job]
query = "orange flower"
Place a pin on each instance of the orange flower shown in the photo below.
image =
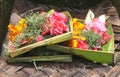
(11, 36)
(13, 32)
(73, 43)
(16, 30)
(12, 28)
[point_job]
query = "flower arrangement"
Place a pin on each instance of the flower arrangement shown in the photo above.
(37, 26)
(78, 37)
(91, 34)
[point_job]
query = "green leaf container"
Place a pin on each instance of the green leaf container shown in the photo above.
(104, 56)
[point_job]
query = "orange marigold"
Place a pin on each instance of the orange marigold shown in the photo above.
(16, 30)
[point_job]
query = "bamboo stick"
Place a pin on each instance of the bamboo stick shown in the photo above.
(58, 58)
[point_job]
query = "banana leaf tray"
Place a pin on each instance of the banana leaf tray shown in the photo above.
(52, 40)
(104, 56)
(15, 56)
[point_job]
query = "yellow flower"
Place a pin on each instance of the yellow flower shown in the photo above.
(76, 33)
(76, 37)
(77, 30)
(75, 20)
(22, 21)
(81, 26)
(21, 24)
(80, 37)
(77, 24)
(73, 43)
(83, 38)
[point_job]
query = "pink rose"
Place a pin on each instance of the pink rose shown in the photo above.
(58, 28)
(59, 17)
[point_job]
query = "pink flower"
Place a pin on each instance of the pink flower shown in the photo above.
(96, 48)
(24, 41)
(96, 25)
(56, 25)
(58, 28)
(82, 44)
(11, 47)
(59, 17)
(105, 38)
(45, 32)
(39, 38)
(55, 31)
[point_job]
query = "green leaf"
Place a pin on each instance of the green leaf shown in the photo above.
(51, 11)
(90, 15)
(92, 38)
(109, 47)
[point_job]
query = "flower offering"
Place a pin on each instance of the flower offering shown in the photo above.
(37, 26)
(90, 34)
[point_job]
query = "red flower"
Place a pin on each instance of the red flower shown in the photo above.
(105, 38)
